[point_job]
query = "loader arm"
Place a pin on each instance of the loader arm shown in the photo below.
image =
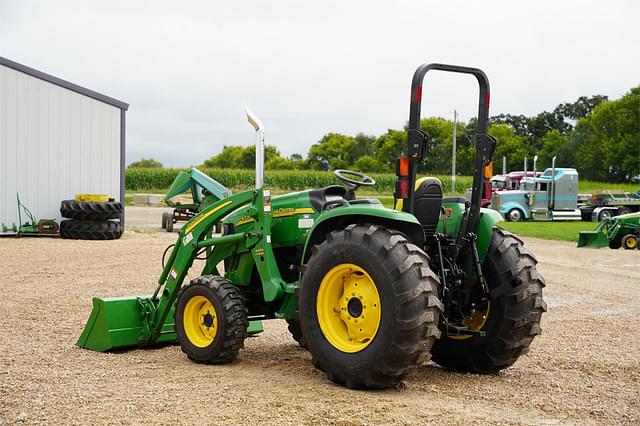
(143, 320)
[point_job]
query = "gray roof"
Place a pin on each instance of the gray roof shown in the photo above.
(63, 83)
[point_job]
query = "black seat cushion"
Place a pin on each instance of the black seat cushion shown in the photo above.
(428, 200)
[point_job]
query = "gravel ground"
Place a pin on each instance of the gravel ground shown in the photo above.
(583, 369)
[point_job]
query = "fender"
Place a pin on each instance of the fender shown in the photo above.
(488, 220)
(341, 217)
(504, 209)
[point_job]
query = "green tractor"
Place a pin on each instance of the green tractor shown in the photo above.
(371, 292)
(615, 232)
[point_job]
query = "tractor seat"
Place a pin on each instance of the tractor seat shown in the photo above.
(427, 203)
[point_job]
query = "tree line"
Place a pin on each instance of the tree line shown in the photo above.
(599, 137)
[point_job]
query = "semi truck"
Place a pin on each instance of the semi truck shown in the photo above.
(550, 196)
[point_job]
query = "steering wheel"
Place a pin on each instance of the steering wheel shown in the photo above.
(353, 184)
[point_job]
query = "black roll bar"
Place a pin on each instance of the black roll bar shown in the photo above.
(417, 139)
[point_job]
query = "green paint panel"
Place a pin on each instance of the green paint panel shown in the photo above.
(255, 327)
(593, 239)
(116, 322)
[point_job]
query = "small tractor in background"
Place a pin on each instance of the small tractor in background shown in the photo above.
(372, 293)
(204, 191)
(615, 232)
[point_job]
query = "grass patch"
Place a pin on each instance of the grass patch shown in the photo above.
(587, 186)
(564, 231)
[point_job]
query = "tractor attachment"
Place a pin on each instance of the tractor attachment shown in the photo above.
(204, 191)
(32, 227)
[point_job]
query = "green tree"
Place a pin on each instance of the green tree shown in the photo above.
(333, 151)
(238, 157)
(146, 163)
(367, 164)
(608, 140)
(508, 144)
(552, 144)
(390, 146)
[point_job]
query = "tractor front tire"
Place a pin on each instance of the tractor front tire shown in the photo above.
(166, 216)
(296, 332)
(512, 318)
(369, 307)
(211, 320)
(615, 244)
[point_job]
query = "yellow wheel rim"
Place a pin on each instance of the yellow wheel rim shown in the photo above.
(348, 308)
(200, 321)
(631, 243)
(475, 320)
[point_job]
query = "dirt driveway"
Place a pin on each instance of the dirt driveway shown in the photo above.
(583, 369)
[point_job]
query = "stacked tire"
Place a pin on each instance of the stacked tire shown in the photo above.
(91, 221)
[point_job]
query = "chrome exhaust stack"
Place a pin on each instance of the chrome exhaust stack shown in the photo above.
(259, 128)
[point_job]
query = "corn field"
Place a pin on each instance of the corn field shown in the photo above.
(285, 180)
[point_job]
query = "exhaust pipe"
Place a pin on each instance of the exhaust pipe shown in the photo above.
(504, 164)
(535, 168)
(259, 128)
(525, 167)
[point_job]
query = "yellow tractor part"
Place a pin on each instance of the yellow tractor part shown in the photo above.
(92, 198)
(348, 308)
(200, 321)
(475, 321)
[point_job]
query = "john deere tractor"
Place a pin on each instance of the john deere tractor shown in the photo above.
(371, 292)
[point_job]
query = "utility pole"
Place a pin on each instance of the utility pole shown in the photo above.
(453, 152)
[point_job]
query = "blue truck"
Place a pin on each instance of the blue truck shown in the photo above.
(551, 196)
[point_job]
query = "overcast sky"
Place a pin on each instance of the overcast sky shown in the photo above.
(189, 68)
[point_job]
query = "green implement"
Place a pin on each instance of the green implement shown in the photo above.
(614, 232)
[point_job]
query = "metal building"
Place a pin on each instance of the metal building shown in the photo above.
(57, 139)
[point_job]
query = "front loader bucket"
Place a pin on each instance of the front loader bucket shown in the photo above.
(116, 322)
(593, 239)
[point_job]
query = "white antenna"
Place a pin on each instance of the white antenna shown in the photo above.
(259, 128)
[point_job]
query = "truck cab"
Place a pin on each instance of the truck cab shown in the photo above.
(551, 196)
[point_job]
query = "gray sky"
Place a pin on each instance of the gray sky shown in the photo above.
(188, 68)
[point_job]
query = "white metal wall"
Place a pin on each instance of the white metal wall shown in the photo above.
(54, 143)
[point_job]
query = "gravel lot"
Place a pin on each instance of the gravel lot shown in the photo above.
(583, 369)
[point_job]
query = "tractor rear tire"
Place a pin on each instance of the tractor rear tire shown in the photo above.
(296, 332)
(79, 210)
(78, 230)
(630, 242)
(398, 292)
(513, 317)
(169, 224)
(166, 216)
(211, 320)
